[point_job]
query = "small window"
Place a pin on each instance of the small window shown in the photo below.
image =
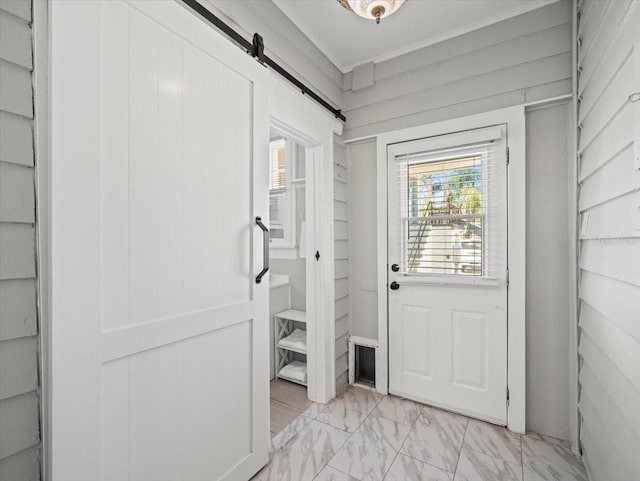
(282, 208)
(278, 172)
(445, 213)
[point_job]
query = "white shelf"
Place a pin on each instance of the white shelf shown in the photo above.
(290, 379)
(293, 349)
(283, 328)
(292, 315)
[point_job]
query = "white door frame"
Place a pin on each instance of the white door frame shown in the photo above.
(297, 117)
(514, 118)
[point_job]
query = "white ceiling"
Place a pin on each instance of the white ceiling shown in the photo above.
(349, 40)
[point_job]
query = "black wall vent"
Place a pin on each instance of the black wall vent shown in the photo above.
(365, 365)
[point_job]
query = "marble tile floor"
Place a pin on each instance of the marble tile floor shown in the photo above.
(363, 436)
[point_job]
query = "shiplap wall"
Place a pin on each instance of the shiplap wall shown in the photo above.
(609, 207)
(19, 395)
(519, 60)
(341, 254)
(284, 42)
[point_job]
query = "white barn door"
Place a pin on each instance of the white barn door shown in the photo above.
(159, 330)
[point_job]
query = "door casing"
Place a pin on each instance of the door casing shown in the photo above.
(514, 118)
(297, 117)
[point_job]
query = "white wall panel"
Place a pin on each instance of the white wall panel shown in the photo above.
(521, 26)
(611, 258)
(24, 465)
(619, 468)
(612, 140)
(17, 251)
(462, 109)
(17, 196)
(15, 41)
(612, 381)
(514, 61)
(20, 420)
(16, 139)
(471, 87)
(341, 249)
(19, 416)
(610, 243)
(341, 230)
(607, 104)
(19, 8)
(342, 288)
(341, 269)
(16, 95)
(18, 366)
(614, 179)
(616, 300)
(18, 316)
(544, 43)
(341, 263)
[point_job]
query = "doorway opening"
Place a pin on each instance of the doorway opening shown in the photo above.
(288, 339)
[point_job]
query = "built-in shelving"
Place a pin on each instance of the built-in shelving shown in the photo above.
(284, 327)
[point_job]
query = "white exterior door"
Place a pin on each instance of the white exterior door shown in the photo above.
(447, 256)
(159, 365)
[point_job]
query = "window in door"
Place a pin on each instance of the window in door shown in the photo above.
(445, 202)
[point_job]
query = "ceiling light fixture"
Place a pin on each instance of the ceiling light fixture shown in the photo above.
(372, 9)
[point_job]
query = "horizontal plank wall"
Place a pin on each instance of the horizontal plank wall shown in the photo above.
(341, 255)
(609, 207)
(19, 378)
(284, 42)
(519, 60)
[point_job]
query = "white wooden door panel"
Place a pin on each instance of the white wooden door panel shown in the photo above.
(180, 328)
(447, 315)
(144, 121)
(170, 175)
(114, 27)
(469, 349)
(417, 341)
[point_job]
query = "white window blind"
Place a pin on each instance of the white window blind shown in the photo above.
(282, 199)
(278, 161)
(449, 207)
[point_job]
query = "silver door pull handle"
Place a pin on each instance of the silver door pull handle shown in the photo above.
(265, 250)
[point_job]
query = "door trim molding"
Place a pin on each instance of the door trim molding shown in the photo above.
(299, 118)
(516, 341)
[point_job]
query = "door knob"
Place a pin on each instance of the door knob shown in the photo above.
(394, 286)
(395, 267)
